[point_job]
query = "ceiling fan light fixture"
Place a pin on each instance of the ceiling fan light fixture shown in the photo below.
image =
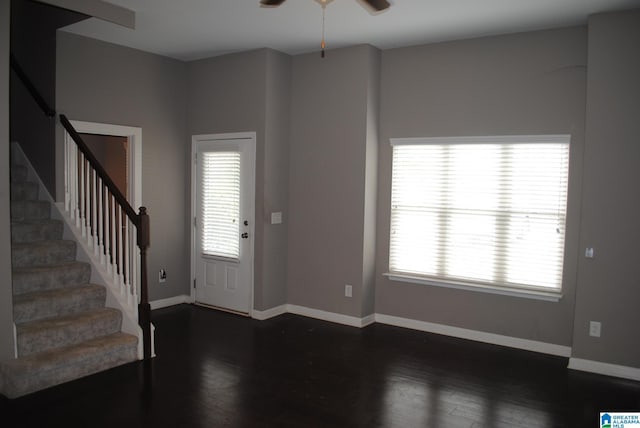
(271, 3)
(323, 3)
(375, 5)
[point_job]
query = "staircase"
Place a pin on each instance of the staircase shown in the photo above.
(63, 329)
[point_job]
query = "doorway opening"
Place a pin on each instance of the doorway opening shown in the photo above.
(119, 149)
(223, 213)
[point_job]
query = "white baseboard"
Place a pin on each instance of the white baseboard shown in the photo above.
(478, 336)
(604, 368)
(269, 313)
(170, 301)
(368, 320)
(330, 316)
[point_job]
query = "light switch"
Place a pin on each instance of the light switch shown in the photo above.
(588, 253)
(276, 218)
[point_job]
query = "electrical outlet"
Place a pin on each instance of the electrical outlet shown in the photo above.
(348, 290)
(162, 276)
(594, 328)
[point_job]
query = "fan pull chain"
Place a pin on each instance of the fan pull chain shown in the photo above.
(322, 44)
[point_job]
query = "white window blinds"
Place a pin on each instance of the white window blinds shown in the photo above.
(480, 210)
(220, 204)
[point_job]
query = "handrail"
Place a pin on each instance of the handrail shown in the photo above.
(28, 84)
(139, 220)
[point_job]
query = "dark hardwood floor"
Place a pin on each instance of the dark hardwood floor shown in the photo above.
(215, 369)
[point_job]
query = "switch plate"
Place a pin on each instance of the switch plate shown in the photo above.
(276, 218)
(162, 276)
(588, 253)
(594, 328)
(348, 290)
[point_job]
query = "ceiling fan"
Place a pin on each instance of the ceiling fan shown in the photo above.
(375, 5)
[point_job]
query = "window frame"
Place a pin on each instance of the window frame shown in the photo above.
(531, 292)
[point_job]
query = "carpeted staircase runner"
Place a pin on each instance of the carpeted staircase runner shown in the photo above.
(64, 331)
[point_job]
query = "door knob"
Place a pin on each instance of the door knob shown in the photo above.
(245, 235)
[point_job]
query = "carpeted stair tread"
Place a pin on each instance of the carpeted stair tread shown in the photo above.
(57, 302)
(30, 210)
(24, 191)
(36, 278)
(35, 230)
(44, 369)
(63, 330)
(42, 253)
(38, 336)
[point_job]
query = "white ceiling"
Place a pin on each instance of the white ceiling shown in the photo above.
(194, 29)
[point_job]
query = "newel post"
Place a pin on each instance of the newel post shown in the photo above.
(144, 308)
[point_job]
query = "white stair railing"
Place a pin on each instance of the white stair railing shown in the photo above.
(101, 223)
(106, 222)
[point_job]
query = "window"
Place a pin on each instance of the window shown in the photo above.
(483, 212)
(220, 204)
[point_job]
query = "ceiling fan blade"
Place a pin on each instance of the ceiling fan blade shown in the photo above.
(377, 5)
(271, 3)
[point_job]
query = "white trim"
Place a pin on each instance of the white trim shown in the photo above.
(604, 368)
(478, 336)
(499, 139)
(170, 301)
(368, 320)
(269, 313)
(330, 316)
(134, 137)
(548, 296)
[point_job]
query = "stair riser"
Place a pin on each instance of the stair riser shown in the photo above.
(82, 299)
(42, 253)
(32, 342)
(26, 281)
(26, 191)
(30, 210)
(32, 232)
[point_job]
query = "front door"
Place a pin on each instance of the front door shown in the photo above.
(224, 188)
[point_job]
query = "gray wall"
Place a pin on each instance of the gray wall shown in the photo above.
(249, 92)
(105, 83)
(321, 125)
(276, 180)
(371, 185)
(529, 83)
(6, 294)
(328, 179)
(608, 285)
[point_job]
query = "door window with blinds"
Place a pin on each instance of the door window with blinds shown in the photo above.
(220, 204)
(480, 211)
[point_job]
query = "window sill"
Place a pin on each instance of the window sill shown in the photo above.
(548, 296)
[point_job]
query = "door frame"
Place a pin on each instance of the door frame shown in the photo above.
(134, 137)
(195, 139)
